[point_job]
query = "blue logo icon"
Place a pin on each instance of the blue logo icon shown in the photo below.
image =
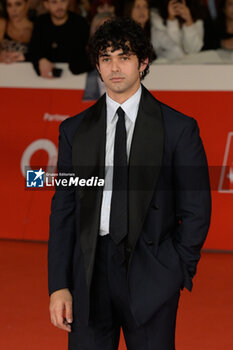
(35, 178)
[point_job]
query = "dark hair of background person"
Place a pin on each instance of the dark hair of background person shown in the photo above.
(82, 8)
(129, 4)
(96, 3)
(221, 24)
(194, 6)
(99, 19)
(6, 16)
(125, 34)
(2, 8)
(155, 3)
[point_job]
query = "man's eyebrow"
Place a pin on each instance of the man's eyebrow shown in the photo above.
(104, 54)
(128, 53)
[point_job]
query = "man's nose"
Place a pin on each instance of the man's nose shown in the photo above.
(115, 66)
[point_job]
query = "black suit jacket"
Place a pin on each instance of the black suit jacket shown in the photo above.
(169, 206)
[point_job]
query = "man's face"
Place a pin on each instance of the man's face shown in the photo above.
(57, 8)
(119, 71)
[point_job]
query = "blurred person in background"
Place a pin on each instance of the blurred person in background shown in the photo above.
(99, 19)
(139, 11)
(81, 7)
(177, 28)
(85, 7)
(100, 6)
(2, 8)
(224, 25)
(210, 12)
(59, 36)
(212, 7)
(36, 8)
(15, 32)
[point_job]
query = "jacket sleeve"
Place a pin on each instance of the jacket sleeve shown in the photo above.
(193, 199)
(193, 37)
(164, 46)
(62, 224)
(174, 31)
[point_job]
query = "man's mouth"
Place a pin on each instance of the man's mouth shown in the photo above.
(116, 79)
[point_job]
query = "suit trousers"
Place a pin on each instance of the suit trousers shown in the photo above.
(110, 309)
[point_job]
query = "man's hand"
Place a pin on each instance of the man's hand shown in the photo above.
(61, 309)
(46, 68)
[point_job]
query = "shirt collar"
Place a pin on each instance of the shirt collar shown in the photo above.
(130, 106)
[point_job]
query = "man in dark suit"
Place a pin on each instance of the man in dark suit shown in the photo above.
(119, 255)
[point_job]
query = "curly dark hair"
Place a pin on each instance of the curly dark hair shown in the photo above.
(125, 34)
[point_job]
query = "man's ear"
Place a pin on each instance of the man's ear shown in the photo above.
(143, 64)
(98, 70)
(97, 67)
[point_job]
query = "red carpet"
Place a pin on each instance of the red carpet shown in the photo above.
(205, 316)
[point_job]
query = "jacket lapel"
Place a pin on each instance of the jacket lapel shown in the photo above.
(144, 162)
(89, 160)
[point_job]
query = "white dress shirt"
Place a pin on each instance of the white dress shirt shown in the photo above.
(130, 107)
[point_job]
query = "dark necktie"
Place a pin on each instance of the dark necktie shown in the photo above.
(119, 202)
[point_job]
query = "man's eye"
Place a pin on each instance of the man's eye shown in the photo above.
(105, 59)
(125, 58)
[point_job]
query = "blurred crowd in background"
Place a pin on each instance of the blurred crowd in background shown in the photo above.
(48, 31)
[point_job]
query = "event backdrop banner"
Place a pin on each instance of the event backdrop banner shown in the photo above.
(30, 121)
